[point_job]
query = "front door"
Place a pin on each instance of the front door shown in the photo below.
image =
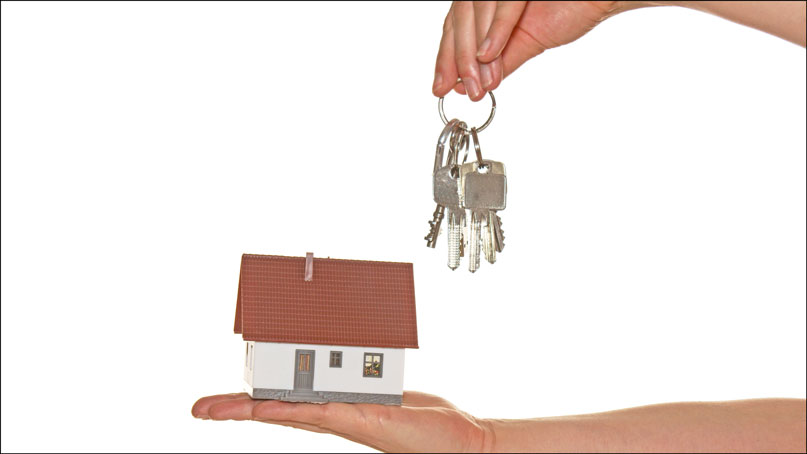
(304, 370)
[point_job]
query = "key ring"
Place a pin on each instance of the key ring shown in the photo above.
(484, 125)
(445, 135)
(459, 140)
(477, 149)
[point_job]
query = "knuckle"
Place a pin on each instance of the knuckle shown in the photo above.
(466, 66)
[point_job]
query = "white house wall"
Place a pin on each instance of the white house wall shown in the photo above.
(274, 368)
(248, 365)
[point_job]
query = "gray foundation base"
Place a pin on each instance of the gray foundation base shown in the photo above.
(325, 396)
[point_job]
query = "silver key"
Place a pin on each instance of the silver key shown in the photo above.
(489, 238)
(484, 191)
(434, 226)
(446, 188)
(474, 240)
(439, 211)
(497, 231)
(484, 186)
(492, 236)
(446, 193)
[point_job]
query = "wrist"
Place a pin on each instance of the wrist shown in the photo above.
(489, 429)
(515, 435)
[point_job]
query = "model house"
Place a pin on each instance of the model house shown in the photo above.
(322, 329)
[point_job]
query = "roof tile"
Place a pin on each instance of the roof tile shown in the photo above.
(348, 302)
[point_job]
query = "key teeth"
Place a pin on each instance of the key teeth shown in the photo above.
(501, 232)
(434, 226)
(462, 245)
(475, 245)
(454, 239)
(488, 240)
(431, 238)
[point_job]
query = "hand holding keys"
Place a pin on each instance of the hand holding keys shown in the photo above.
(479, 186)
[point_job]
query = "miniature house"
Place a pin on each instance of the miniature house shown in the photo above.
(320, 330)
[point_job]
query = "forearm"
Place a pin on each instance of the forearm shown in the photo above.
(783, 19)
(762, 425)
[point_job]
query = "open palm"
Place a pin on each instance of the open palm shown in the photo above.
(422, 423)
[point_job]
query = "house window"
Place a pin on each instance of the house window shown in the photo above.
(251, 357)
(246, 356)
(373, 364)
(336, 359)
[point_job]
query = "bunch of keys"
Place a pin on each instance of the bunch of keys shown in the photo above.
(479, 186)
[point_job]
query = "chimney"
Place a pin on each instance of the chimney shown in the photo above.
(309, 266)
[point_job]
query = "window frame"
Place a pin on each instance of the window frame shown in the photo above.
(331, 357)
(380, 365)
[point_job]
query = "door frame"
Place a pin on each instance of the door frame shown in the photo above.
(297, 354)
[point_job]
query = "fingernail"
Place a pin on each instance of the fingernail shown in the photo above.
(438, 80)
(487, 78)
(484, 47)
(471, 87)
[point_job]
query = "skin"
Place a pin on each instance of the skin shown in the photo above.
(424, 423)
(482, 43)
(427, 423)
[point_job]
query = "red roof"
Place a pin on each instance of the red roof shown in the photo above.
(348, 302)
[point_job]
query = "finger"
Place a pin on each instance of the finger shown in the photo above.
(504, 20)
(317, 429)
(465, 49)
(363, 423)
(296, 425)
(483, 16)
(334, 416)
(460, 88)
(497, 72)
(200, 408)
(241, 407)
(244, 409)
(445, 69)
(237, 409)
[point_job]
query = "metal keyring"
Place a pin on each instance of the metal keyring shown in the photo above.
(477, 149)
(460, 139)
(479, 129)
(464, 143)
(445, 136)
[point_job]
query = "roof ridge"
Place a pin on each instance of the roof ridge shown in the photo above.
(322, 258)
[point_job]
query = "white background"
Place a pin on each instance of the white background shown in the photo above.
(655, 223)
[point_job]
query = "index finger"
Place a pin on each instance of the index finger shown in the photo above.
(465, 49)
(504, 21)
(343, 418)
(202, 406)
(445, 71)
